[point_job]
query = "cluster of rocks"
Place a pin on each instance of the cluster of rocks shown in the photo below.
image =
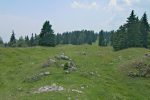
(141, 69)
(36, 77)
(48, 63)
(51, 88)
(69, 66)
(147, 55)
(62, 57)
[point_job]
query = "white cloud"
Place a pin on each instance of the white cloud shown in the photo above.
(128, 2)
(113, 3)
(92, 5)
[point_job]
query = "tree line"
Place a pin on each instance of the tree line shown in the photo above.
(48, 38)
(134, 33)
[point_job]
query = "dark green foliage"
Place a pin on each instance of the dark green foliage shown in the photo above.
(77, 37)
(47, 37)
(27, 41)
(132, 34)
(58, 39)
(12, 42)
(119, 39)
(148, 40)
(144, 28)
(111, 37)
(21, 42)
(1, 41)
(101, 38)
(105, 38)
(32, 40)
(133, 31)
(66, 66)
(36, 40)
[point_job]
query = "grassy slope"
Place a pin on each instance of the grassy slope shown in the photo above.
(108, 82)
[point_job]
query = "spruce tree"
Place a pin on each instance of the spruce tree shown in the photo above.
(36, 39)
(148, 40)
(58, 38)
(32, 40)
(12, 41)
(1, 41)
(27, 41)
(133, 32)
(21, 42)
(144, 28)
(120, 39)
(47, 36)
(101, 38)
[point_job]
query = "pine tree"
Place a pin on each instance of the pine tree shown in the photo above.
(101, 38)
(47, 37)
(120, 39)
(144, 28)
(133, 32)
(27, 41)
(21, 42)
(36, 40)
(1, 41)
(58, 38)
(12, 41)
(148, 40)
(111, 37)
(32, 40)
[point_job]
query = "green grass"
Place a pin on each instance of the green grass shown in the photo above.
(107, 83)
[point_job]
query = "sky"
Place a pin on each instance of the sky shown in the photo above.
(27, 16)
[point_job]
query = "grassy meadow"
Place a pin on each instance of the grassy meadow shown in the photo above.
(99, 74)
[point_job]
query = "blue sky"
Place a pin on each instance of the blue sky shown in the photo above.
(27, 16)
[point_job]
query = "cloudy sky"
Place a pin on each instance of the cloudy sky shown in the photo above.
(27, 16)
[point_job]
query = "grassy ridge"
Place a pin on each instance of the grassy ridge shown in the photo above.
(98, 72)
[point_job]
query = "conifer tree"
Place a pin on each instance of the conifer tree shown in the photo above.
(144, 28)
(47, 37)
(32, 40)
(27, 41)
(21, 42)
(101, 38)
(1, 41)
(12, 41)
(133, 31)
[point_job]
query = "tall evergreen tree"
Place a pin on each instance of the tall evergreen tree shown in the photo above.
(1, 41)
(101, 38)
(21, 42)
(58, 38)
(27, 41)
(47, 36)
(133, 31)
(144, 28)
(148, 40)
(32, 40)
(12, 41)
(120, 39)
(36, 40)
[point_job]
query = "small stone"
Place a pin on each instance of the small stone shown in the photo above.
(82, 87)
(46, 73)
(73, 90)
